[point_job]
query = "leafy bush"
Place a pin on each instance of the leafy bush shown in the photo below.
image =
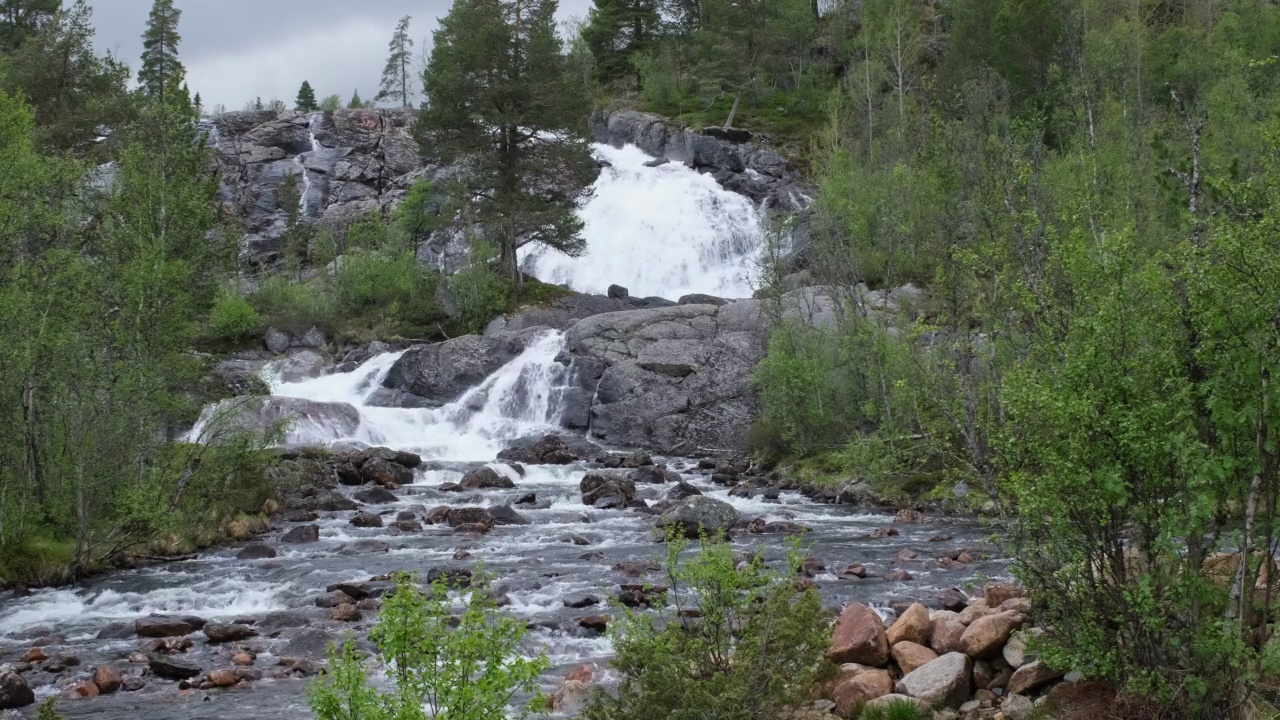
(897, 710)
(479, 295)
(753, 649)
(294, 307)
(233, 317)
(465, 668)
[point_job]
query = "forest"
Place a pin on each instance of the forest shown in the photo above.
(1072, 207)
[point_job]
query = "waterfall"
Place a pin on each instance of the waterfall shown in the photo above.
(665, 231)
(317, 152)
(521, 398)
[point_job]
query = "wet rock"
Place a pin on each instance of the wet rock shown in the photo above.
(898, 576)
(243, 659)
(572, 693)
(953, 599)
(35, 656)
(452, 577)
(1031, 676)
(276, 341)
(263, 414)
(224, 678)
(377, 496)
(855, 570)
(853, 693)
(310, 644)
(859, 637)
(171, 668)
(1017, 707)
(882, 533)
(159, 626)
(943, 682)
(116, 631)
(594, 623)
(334, 502)
(682, 491)
(282, 620)
(257, 552)
(386, 473)
(997, 593)
(334, 599)
(700, 515)
(597, 485)
(578, 602)
(220, 633)
(14, 691)
(171, 646)
(986, 636)
(346, 612)
(366, 520)
(82, 690)
(486, 478)
(302, 534)
(107, 679)
(913, 625)
(505, 515)
(910, 655)
(470, 517)
(547, 450)
(442, 372)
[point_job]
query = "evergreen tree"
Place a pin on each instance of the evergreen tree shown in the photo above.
(20, 19)
(499, 95)
(616, 31)
(161, 70)
(395, 76)
(306, 98)
(331, 103)
(73, 91)
(356, 103)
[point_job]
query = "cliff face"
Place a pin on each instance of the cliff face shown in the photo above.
(347, 162)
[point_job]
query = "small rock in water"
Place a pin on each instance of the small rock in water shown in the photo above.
(219, 633)
(161, 626)
(580, 601)
(594, 623)
(257, 552)
(172, 668)
(223, 678)
(107, 679)
(617, 292)
(345, 612)
(302, 534)
(243, 659)
(366, 520)
(898, 576)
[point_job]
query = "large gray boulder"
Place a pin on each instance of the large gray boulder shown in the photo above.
(676, 379)
(14, 691)
(944, 681)
(442, 372)
(306, 420)
(700, 515)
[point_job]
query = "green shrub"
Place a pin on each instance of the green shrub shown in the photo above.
(294, 307)
(754, 651)
(479, 295)
(447, 668)
(896, 710)
(233, 317)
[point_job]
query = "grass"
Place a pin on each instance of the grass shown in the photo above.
(39, 562)
(896, 710)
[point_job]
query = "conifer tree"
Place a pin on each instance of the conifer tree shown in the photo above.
(356, 103)
(616, 31)
(499, 95)
(306, 98)
(161, 70)
(20, 19)
(395, 76)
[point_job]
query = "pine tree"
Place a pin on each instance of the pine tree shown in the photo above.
(20, 19)
(161, 69)
(356, 103)
(306, 98)
(616, 31)
(395, 77)
(499, 94)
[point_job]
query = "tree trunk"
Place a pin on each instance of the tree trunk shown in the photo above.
(734, 111)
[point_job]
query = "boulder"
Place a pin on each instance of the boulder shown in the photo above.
(107, 679)
(859, 637)
(276, 341)
(572, 693)
(302, 534)
(1017, 707)
(1015, 651)
(224, 678)
(377, 496)
(333, 599)
(910, 655)
(682, 491)
(997, 593)
(386, 473)
(300, 366)
(946, 634)
(442, 372)
(548, 450)
(171, 668)
(366, 520)
(853, 694)
(14, 691)
(257, 552)
(1031, 676)
(699, 515)
(505, 515)
(976, 609)
(580, 601)
(486, 478)
(595, 486)
(365, 547)
(944, 681)
(470, 516)
(162, 626)
(913, 626)
(346, 612)
(220, 633)
(986, 636)
(307, 420)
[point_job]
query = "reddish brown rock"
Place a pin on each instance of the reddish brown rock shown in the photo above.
(84, 689)
(853, 694)
(345, 612)
(910, 656)
(855, 570)
(997, 593)
(35, 656)
(107, 679)
(859, 637)
(573, 691)
(946, 635)
(986, 636)
(224, 678)
(1031, 676)
(243, 659)
(976, 609)
(913, 626)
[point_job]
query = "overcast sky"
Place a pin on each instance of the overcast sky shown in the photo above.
(237, 50)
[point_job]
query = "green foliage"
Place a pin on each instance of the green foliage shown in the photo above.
(233, 317)
(331, 103)
(48, 710)
(453, 668)
(897, 710)
(355, 103)
(478, 293)
(755, 650)
(306, 98)
(161, 73)
(20, 19)
(498, 90)
(395, 76)
(616, 31)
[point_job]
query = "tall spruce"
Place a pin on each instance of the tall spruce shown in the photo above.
(616, 31)
(355, 103)
(20, 19)
(501, 100)
(395, 76)
(306, 97)
(161, 70)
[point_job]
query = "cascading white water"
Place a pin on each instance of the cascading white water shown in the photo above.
(522, 398)
(666, 231)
